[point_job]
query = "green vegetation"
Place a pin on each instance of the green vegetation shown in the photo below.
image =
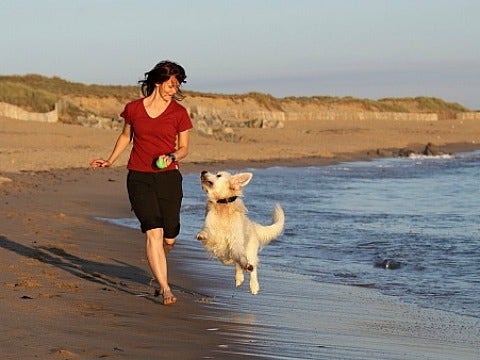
(60, 87)
(418, 104)
(26, 97)
(39, 94)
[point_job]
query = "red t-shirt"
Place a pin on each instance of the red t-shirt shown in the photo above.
(153, 137)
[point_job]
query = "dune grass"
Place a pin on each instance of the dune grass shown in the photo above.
(39, 94)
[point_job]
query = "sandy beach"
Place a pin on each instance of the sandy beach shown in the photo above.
(74, 287)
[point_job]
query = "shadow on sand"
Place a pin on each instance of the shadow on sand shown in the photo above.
(117, 275)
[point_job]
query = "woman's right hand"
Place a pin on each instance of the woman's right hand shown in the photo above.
(99, 163)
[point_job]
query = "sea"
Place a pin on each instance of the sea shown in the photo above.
(346, 221)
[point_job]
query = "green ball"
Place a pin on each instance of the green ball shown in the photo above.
(161, 163)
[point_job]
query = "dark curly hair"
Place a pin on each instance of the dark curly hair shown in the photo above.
(161, 73)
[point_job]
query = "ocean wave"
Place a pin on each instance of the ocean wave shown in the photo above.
(433, 157)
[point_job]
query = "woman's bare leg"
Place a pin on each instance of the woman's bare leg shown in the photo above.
(168, 245)
(157, 261)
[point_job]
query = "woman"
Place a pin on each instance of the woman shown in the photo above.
(159, 128)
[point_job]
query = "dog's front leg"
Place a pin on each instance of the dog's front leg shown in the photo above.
(202, 235)
(239, 277)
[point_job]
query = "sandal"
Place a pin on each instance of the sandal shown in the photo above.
(168, 297)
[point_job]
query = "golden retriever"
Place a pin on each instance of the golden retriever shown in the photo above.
(228, 234)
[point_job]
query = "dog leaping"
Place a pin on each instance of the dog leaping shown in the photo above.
(228, 234)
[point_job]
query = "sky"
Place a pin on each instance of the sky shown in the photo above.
(362, 48)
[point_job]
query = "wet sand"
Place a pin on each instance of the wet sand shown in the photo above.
(73, 286)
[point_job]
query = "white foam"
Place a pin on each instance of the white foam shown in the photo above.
(426, 157)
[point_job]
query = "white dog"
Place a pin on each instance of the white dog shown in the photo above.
(228, 234)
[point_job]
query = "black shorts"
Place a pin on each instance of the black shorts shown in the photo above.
(156, 199)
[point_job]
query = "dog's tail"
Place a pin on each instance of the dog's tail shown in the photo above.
(270, 232)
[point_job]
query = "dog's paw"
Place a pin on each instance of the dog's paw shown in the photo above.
(239, 277)
(254, 287)
(239, 280)
(202, 236)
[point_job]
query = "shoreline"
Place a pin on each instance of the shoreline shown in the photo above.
(63, 268)
(71, 292)
(320, 161)
(70, 281)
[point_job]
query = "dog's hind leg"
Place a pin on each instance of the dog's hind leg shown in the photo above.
(252, 253)
(238, 254)
(254, 285)
(239, 277)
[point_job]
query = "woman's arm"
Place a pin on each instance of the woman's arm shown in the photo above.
(182, 146)
(122, 142)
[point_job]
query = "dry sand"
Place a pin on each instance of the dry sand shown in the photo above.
(39, 146)
(69, 282)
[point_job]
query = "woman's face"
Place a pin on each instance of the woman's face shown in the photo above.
(169, 88)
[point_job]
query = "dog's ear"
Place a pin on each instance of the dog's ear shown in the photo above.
(238, 181)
